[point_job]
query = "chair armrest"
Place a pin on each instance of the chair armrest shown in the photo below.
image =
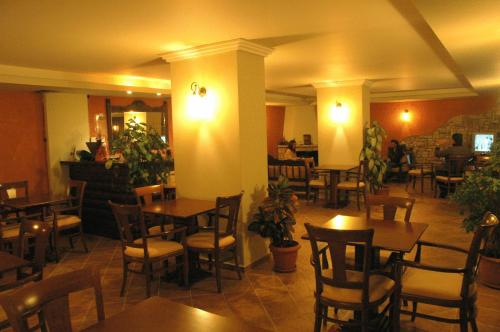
(442, 246)
(428, 267)
(61, 210)
(206, 228)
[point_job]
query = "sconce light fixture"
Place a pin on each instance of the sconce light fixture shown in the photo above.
(405, 116)
(338, 113)
(116, 128)
(129, 92)
(198, 90)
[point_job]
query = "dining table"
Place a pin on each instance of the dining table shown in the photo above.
(334, 171)
(160, 314)
(39, 202)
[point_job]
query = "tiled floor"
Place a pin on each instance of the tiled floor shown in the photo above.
(275, 301)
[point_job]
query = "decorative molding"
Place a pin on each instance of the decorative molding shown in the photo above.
(239, 44)
(394, 96)
(338, 84)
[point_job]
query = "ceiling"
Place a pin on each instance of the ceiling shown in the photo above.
(400, 45)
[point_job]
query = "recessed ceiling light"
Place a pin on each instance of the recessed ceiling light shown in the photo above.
(158, 93)
(129, 92)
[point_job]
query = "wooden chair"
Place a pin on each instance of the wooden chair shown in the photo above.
(146, 249)
(147, 195)
(49, 301)
(31, 234)
(359, 185)
(444, 286)
(421, 171)
(217, 240)
(69, 216)
(12, 191)
(341, 288)
(9, 231)
(455, 168)
(318, 180)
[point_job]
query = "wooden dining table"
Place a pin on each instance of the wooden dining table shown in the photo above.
(160, 314)
(181, 208)
(334, 170)
(41, 202)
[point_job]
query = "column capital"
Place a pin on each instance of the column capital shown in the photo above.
(239, 44)
(338, 84)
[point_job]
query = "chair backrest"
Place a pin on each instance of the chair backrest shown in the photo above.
(483, 232)
(360, 173)
(130, 222)
(41, 231)
(49, 300)
(227, 208)
(390, 205)
(146, 195)
(76, 190)
(13, 190)
(455, 165)
(337, 241)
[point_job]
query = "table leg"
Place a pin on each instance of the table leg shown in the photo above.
(333, 203)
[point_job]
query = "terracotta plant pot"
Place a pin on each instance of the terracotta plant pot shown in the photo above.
(489, 272)
(285, 258)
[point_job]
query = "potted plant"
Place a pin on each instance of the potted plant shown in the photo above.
(144, 151)
(372, 154)
(275, 220)
(479, 194)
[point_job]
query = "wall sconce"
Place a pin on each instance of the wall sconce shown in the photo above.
(198, 90)
(338, 113)
(405, 116)
(116, 128)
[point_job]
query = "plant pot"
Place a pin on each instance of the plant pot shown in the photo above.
(489, 271)
(285, 258)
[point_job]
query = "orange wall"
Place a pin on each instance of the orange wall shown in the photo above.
(22, 140)
(275, 125)
(426, 116)
(97, 104)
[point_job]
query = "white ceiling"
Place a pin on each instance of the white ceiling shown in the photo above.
(313, 40)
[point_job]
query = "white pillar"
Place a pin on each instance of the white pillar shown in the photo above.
(343, 112)
(220, 139)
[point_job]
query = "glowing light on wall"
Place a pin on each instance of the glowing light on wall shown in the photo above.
(339, 113)
(201, 103)
(405, 116)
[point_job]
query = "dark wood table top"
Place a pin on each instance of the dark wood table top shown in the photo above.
(160, 314)
(180, 208)
(335, 167)
(388, 234)
(34, 201)
(10, 262)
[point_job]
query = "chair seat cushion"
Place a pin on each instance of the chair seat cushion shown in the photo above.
(380, 287)
(157, 229)
(317, 183)
(349, 185)
(10, 232)
(157, 247)
(66, 220)
(441, 178)
(419, 171)
(437, 285)
(205, 240)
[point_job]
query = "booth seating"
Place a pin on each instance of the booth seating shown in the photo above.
(297, 172)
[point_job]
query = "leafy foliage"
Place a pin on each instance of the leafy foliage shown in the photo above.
(479, 194)
(144, 152)
(275, 218)
(372, 152)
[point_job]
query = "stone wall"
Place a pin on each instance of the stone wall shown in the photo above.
(467, 125)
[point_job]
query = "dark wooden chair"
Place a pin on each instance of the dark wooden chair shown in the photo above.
(444, 286)
(217, 240)
(49, 301)
(358, 185)
(145, 248)
(455, 173)
(420, 171)
(32, 234)
(147, 195)
(342, 288)
(69, 216)
(12, 191)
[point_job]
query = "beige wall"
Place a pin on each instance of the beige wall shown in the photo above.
(300, 120)
(340, 132)
(220, 139)
(66, 127)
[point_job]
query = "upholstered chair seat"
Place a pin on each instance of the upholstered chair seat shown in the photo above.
(205, 240)
(156, 247)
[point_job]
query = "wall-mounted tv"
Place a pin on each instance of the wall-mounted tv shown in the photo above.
(482, 142)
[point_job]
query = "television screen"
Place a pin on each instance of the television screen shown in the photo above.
(482, 142)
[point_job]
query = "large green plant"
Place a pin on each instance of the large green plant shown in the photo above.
(479, 194)
(275, 218)
(372, 153)
(144, 152)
